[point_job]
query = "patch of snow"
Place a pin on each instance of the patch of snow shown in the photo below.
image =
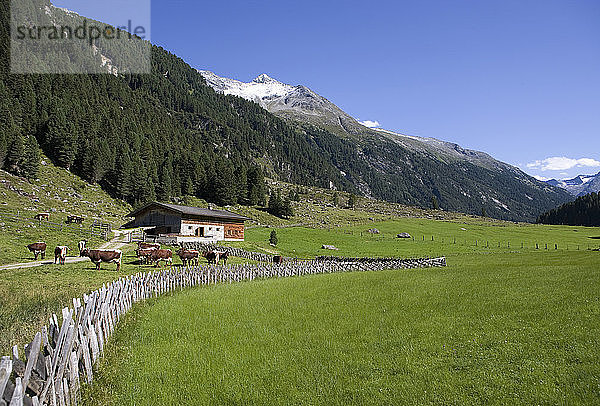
(412, 137)
(499, 203)
(263, 87)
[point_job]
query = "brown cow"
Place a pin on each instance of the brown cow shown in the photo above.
(277, 259)
(161, 255)
(74, 219)
(213, 257)
(60, 254)
(148, 245)
(210, 256)
(37, 248)
(188, 257)
(99, 256)
(42, 216)
(223, 255)
(144, 255)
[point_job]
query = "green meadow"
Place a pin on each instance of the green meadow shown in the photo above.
(499, 325)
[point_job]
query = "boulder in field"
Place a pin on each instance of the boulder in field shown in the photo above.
(403, 235)
(329, 247)
(373, 231)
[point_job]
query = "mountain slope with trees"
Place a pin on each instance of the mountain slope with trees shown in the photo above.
(584, 211)
(165, 134)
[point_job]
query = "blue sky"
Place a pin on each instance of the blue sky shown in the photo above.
(517, 79)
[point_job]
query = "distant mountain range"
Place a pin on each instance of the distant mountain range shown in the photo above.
(578, 186)
(417, 167)
(188, 134)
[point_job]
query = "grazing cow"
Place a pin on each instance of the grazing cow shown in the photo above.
(277, 259)
(161, 255)
(99, 256)
(144, 255)
(148, 245)
(223, 255)
(60, 254)
(210, 256)
(37, 248)
(74, 219)
(42, 216)
(188, 257)
(213, 257)
(81, 246)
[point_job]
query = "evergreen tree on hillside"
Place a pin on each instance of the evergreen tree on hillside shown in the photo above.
(256, 186)
(31, 160)
(352, 201)
(584, 211)
(286, 208)
(61, 139)
(273, 238)
(16, 155)
(8, 127)
(223, 184)
(275, 204)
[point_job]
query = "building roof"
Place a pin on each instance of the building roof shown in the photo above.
(191, 211)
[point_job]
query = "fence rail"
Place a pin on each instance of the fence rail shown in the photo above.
(61, 356)
(231, 251)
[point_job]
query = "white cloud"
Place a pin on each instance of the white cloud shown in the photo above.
(369, 123)
(561, 163)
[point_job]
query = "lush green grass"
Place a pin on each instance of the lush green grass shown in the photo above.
(59, 193)
(449, 237)
(501, 328)
(29, 296)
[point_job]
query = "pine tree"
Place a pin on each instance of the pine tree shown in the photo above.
(273, 238)
(275, 204)
(336, 199)
(31, 160)
(256, 186)
(61, 139)
(124, 178)
(434, 203)
(352, 200)
(286, 209)
(8, 127)
(15, 156)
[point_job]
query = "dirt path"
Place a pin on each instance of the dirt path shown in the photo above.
(113, 244)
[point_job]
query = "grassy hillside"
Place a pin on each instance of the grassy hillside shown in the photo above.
(489, 329)
(60, 193)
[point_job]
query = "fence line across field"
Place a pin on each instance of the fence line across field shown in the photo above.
(95, 229)
(62, 355)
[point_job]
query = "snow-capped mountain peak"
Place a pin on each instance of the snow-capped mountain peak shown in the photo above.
(264, 78)
(260, 90)
(579, 185)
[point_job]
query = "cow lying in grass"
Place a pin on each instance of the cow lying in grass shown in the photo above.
(99, 256)
(60, 254)
(37, 248)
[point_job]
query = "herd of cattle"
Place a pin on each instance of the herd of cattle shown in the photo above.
(147, 253)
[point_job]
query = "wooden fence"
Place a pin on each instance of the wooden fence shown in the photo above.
(61, 357)
(231, 251)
